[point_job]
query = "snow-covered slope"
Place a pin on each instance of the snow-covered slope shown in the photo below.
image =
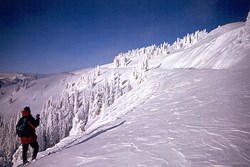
(180, 105)
(34, 94)
(185, 118)
(222, 48)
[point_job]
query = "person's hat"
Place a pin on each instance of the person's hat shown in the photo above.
(26, 109)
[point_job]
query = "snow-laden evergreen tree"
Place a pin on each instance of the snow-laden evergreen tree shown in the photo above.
(244, 35)
(144, 65)
(91, 79)
(17, 87)
(56, 118)
(188, 40)
(139, 73)
(97, 71)
(122, 59)
(80, 113)
(246, 30)
(247, 26)
(8, 140)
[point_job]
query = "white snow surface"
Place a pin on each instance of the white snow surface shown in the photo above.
(186, 118)
(222, 48)
(192, 109)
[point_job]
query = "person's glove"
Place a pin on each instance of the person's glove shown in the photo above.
(37, 116)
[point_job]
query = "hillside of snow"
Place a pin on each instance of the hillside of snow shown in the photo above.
(222, 48)
(177, 118)
(185, 104)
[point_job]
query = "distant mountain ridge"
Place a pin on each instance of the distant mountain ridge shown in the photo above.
(11, 78)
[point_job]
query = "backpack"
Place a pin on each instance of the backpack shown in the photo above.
(23, 129)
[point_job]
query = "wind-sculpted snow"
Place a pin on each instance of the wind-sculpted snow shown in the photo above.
(221, 49)
(191, 118)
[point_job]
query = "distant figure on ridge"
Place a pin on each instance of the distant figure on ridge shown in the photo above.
(25, 129)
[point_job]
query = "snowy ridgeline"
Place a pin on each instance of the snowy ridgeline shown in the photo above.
(164, 49)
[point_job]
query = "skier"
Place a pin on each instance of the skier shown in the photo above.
(26, 131)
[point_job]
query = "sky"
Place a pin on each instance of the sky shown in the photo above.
(54, 36)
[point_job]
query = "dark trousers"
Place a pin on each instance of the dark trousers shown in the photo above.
(35, 147)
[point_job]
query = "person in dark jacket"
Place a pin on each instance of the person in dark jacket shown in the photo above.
(31, 138)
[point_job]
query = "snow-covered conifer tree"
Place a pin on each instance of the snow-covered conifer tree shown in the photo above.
(9, 141)
(117, 61)
(118, 88)
(17, 87)
(97, 71)
(247, 24)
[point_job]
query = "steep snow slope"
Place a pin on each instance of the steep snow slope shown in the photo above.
(198, 116)
(187, 118)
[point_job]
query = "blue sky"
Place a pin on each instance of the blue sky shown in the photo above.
(53, 36)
